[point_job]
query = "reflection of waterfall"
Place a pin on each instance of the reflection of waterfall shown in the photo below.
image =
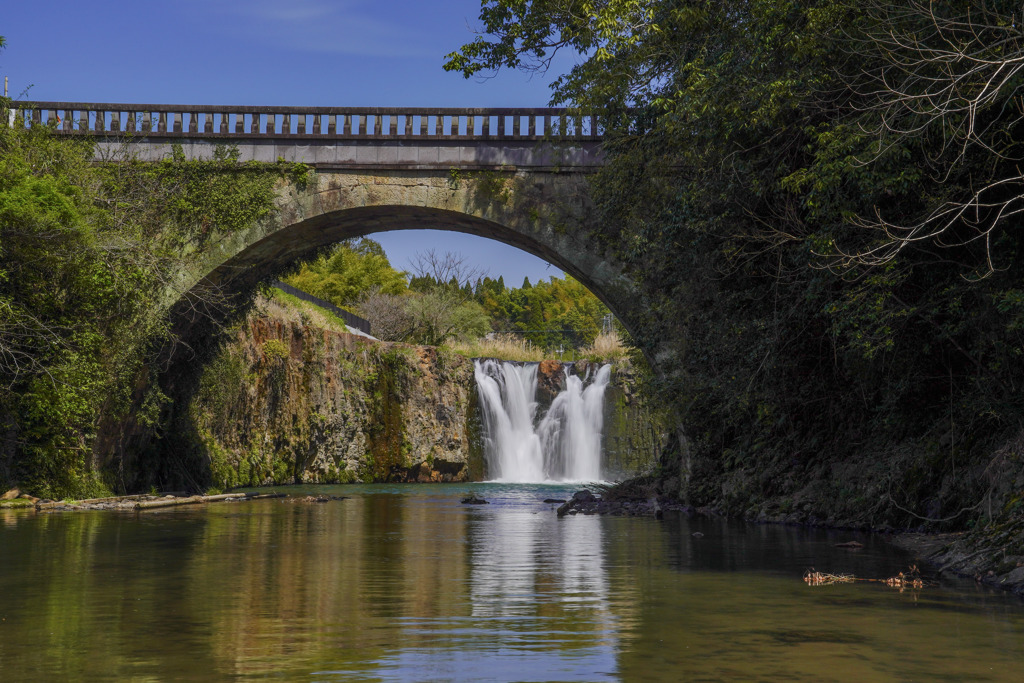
(564, 446)
(525, 564)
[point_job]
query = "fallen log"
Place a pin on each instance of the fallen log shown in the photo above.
(147, 501)
(90, 501)
(167, 502)
(109, 499)
(223, 496)
(190, 500)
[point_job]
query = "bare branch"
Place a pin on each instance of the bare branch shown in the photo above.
(445, 267)
(954, 83)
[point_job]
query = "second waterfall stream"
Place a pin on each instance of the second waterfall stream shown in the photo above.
(562, 445)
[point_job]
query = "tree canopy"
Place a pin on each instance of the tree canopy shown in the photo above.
(821, 201)
(88, 255)
(349, 270)
(447, 298)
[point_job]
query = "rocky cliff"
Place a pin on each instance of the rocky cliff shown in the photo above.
(289, 402)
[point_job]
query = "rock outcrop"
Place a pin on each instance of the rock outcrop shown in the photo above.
(286, 402)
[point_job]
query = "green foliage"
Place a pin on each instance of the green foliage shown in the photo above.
(87, 255)
(275, 350)
(441, 314)
(777, 176)
(351, 269)
(357, 275)
(550, 314)
(178, 205)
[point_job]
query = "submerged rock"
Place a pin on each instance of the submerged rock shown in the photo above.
(584, 501)
(474, 500)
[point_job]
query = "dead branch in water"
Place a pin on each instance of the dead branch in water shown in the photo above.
(814, 578)
(148, 501)
(902, 581)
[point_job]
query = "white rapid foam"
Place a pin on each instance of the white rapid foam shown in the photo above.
(565, 445)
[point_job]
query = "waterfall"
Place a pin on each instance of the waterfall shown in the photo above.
(564, 445)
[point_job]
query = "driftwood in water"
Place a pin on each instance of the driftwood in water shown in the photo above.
(145, 501)
(90, 501)
(191, 500)
(168, 502)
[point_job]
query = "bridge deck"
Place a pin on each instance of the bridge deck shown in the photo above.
(339, 137)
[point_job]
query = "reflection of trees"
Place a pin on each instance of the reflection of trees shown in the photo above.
(97, 596)
(327, 583)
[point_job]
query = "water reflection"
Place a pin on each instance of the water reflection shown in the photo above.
(531, 569)
(406, 584)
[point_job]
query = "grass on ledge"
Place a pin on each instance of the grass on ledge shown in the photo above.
(293, 309)
(502, 347)
(605, 349)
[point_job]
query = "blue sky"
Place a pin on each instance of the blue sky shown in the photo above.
(280, 52)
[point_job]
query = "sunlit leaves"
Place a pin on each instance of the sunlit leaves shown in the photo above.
(351, 270)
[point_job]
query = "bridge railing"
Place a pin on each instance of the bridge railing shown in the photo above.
(309, 123)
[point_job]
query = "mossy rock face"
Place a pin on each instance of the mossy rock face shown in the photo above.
(476, 462)
(635, 433)
(285, 402)
(386, 425)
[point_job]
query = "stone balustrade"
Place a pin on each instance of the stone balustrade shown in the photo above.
(311, 123)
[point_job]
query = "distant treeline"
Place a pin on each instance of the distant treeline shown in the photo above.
(445, 299)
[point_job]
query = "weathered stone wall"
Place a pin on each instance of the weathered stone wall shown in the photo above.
(286, 402)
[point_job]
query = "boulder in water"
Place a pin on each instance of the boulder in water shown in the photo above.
(472, 499)
(584, 496)
(582, 500)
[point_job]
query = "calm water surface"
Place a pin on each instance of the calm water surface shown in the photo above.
(402, 583)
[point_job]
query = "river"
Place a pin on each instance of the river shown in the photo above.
(404, 583)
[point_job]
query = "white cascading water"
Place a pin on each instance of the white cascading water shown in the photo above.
(566, 443)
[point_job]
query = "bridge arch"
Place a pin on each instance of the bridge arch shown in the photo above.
(514, 175)
(547, 214)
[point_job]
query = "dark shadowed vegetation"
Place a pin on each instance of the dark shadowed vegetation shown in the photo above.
(821, 201)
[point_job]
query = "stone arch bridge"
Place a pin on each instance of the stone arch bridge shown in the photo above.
(514, 175)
